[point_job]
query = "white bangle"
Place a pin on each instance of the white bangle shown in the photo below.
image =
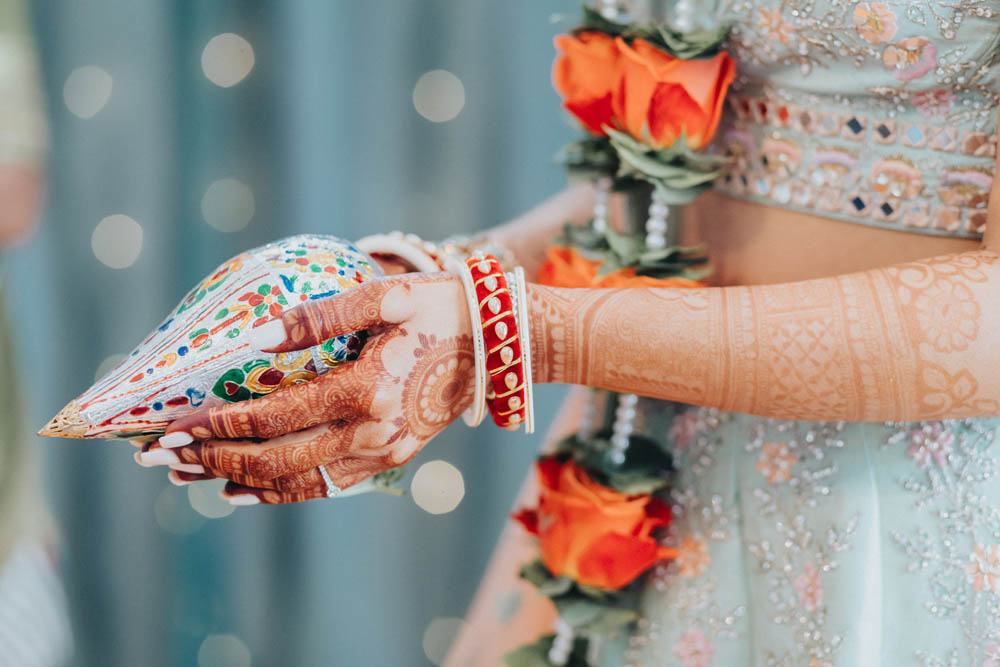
(474, 415)
(400, 246)
(519, 293)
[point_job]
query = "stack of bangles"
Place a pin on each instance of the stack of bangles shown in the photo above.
(497, 303)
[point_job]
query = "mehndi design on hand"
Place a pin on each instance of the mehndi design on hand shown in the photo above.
(412, 378)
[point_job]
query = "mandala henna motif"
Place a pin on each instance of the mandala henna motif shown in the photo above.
(439, 387)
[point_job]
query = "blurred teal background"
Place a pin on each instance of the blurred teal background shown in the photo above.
(324, 135)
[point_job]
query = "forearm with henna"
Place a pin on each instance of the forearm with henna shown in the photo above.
(911, 341)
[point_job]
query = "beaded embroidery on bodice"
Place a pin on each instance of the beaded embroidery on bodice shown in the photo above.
(882, 113)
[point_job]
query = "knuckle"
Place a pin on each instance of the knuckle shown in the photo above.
(232, 421)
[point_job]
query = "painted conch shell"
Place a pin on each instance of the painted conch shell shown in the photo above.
(200, 355)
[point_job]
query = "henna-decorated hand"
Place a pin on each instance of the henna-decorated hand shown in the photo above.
(413, 377)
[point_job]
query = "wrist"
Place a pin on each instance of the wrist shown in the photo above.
(549, 334)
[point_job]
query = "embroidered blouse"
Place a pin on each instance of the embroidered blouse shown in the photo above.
(882, 113)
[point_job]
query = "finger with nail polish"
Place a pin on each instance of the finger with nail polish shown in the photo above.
(156, 457)
(178, 478)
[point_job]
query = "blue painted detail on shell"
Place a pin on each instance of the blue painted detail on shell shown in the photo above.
(196, 397)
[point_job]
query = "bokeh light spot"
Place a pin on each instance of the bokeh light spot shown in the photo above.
(87, 90)
(438, 96)
(117, 241)
(109, 362)
(227, 205)
(174, 513)
(439, 636)
(437, 487)
(223, 651)
(204, 498)
(227, 59)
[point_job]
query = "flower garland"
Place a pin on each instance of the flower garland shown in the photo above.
(650, 100)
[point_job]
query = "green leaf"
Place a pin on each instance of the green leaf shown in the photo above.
(577, 611)
(617, 138)
(590, 154)
(585, 615)
(698, 43)
(646, 467)
(547, 583)
(387, 481)
(611, 621)
(593, 20)
(537, 654)
(677, 251)
(628, 247)
(677, 197)
(646, 164)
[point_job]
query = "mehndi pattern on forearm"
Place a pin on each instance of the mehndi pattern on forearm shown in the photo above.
(901, 342)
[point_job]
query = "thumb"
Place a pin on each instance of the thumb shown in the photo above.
(314, 322)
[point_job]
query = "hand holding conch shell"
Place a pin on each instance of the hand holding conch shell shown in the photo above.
(413, 377)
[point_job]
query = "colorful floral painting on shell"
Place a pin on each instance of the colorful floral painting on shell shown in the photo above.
(200, 354)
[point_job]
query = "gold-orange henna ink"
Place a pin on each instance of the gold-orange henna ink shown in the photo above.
(904, 342)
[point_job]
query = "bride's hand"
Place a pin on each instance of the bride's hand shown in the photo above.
(414, 376)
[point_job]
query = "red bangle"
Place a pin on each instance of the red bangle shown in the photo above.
(504, 363)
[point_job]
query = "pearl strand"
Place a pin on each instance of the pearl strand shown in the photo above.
(622, 428)
(683, 19)
(609, 9)
(602, 195)
(562, 644)
(656, 225)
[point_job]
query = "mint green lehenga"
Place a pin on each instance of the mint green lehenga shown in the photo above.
(861, 544)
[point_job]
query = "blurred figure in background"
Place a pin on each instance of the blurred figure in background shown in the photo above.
(34, 629)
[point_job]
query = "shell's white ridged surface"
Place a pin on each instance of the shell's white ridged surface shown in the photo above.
(200, 354)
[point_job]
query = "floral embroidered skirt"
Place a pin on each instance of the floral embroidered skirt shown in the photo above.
(814, 544)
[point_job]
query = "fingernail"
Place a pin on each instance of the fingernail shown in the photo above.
(176, 439)
(192, 468)
(137, 442)
(157, 457)
(268, 335)
(175, 479)
(243, 499)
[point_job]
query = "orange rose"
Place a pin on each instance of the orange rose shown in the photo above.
(565, 267)
(662, 96)
(591, 533)
(584, 73)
